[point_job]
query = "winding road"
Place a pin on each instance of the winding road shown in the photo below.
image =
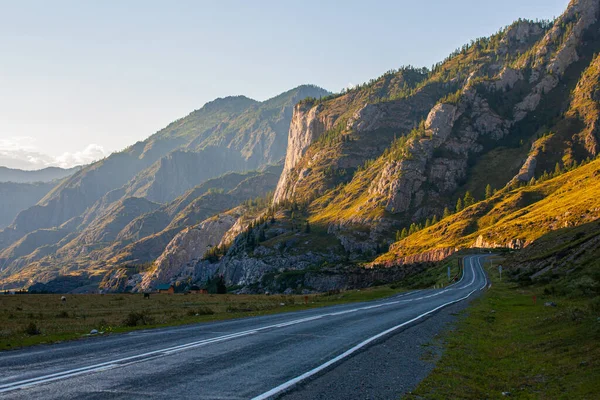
(251, 358)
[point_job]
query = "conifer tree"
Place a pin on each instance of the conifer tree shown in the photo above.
(469, 200)
(446, 213)
(488, 191)
(459, 205)
(404, 233)
(412, 229)
(221, 287)
(557, 170)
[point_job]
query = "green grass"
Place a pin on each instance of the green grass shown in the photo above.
(508, 343)
(436, 276)
(57, 321)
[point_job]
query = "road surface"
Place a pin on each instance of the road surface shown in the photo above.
(251, 358)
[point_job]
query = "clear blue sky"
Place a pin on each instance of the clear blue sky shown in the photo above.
(108, 73)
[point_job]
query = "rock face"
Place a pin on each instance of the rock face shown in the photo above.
(514, 244)
(400, 181)
(307, 126)
(186, 247)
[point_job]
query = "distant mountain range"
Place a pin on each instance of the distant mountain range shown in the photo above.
(20, 189)
(75, 222)
(42, 175)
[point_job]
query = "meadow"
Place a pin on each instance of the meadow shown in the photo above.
(509, 343)
(28, 319)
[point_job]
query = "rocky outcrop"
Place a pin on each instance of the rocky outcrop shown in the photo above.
(528, 169)
(514, 244)
(400, 182)
(185, 248)
(307, 126)
(550, 63)
(434, 255)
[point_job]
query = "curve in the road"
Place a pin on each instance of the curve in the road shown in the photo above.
(289, 384)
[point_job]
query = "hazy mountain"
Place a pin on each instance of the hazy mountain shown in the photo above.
(230, 134)
(16, 197)
(41, 175)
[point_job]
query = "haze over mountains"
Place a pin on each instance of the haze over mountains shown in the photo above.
(42, 175)
(230, 134)
(503, 124)
(21, 189)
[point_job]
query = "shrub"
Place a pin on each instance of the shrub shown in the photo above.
(201, 311)
(32, 329)
(135, 319)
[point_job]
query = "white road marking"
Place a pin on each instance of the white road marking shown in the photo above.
(26, 383)
(286, 385)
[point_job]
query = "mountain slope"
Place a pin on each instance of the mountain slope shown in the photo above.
(225, 130)
(15, 197)
(113, 234)
(513, 218)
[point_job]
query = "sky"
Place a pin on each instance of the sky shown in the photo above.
(80, 79)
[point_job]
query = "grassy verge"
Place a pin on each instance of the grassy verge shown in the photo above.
(507, 343)
(31, 319)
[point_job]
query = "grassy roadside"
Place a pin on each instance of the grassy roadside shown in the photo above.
(506, 343)
(32, 319)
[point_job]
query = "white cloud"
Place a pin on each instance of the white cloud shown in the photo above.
(91, 153)
(21, 152)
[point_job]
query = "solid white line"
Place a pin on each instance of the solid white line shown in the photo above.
(284, 386)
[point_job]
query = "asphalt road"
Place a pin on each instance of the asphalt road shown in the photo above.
(251, 358)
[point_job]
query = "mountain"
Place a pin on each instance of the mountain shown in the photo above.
(15, 197)
(119, 234)
(43, 175)
(399, 151)
(21, 189)
(230, 134)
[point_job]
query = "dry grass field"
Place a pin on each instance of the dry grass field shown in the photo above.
(28, 319)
